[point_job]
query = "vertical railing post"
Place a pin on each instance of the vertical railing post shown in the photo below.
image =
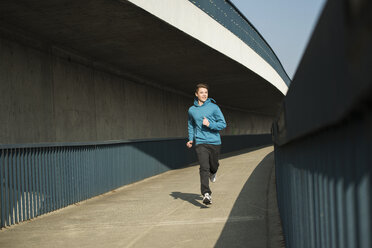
(13, 186)
(69, 176)
(33, 180)
(39, 182)
(47, 180)
(64, 175)
(7, 187)
(23, 183)
(27, 181)
(54, 166)
(2, 190)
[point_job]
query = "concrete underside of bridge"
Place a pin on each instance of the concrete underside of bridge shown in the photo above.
(100, 70)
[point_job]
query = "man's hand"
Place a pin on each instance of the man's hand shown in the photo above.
(189, 144)
(205, 122)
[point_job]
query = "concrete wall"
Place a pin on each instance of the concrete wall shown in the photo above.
(48, 94)
(239, 123)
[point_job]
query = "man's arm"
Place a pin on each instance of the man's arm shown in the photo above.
(219, 123)
(191, 127)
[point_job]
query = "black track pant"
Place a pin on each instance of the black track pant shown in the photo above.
(208, 160)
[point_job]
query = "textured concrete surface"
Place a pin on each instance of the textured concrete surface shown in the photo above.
(133, 41)
(109, 70)
(45, 97)
(166, 211)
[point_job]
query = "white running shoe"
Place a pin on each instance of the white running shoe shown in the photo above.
(213, 177)
(207, 199)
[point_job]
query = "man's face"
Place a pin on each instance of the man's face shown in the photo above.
(202, 94)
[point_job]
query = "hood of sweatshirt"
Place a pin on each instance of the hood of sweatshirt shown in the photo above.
(196, 103)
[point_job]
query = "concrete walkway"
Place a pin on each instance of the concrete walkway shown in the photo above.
(167, 211)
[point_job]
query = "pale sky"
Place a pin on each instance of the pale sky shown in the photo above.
(286, 25)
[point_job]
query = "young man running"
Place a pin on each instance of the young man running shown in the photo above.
(204, 123)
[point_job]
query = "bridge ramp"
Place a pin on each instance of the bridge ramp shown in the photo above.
(167, 211)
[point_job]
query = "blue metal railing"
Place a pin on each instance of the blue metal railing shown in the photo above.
(323, 138)
(39, 178)
(324, 187)
(225, 12)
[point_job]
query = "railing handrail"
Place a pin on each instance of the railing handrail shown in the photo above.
(263, 48)
(88, 143)
(259, 34)
(98, 143)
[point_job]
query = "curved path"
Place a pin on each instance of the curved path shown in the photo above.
(166, 211)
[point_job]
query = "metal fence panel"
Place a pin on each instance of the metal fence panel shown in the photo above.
(324, 187)
(39, 178)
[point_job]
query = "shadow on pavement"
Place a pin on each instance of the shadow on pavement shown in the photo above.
(242, 151)
(189, 197)
(248, 225)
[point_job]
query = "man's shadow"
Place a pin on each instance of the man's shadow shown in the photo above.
(189, 197)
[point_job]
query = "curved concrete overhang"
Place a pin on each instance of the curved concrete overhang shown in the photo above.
(190, 19)
(163, 51)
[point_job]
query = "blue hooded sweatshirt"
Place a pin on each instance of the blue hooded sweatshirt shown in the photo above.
(203, 134)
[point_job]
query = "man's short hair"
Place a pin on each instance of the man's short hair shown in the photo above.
(201, 85)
